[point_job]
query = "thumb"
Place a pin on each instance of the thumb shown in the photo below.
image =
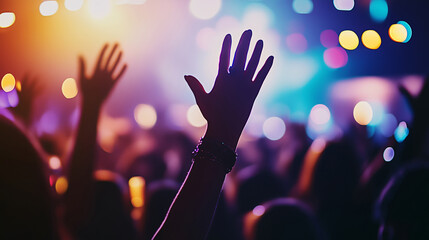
(196, 87)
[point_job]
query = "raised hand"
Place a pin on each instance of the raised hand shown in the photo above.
(228, 105)
(96, 89)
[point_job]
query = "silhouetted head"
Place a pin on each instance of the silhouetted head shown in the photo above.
(257, 186)
(26, 210)
(160, 196)
(404, 205)
(282, 219)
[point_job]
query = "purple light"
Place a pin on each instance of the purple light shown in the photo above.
(296, 42)
(329, 38)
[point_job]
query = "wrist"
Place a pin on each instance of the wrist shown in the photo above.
(229, 138)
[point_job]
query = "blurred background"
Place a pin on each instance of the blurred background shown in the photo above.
(329, 56)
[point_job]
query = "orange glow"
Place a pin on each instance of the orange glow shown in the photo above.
(145, 116)
(137, 187)
(61, 185)
(8, 82)
(7, 19)
(69, 88)
(363, 113)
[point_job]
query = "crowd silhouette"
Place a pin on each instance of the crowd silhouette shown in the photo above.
(299, 189)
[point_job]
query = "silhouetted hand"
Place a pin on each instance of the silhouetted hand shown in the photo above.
(96, 89)
(30, 89)
(228, 105)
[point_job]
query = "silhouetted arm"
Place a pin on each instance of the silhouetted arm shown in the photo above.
(95, 90)
(227, 108)
(416, 142)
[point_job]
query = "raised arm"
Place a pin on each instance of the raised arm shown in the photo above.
(227, 108)
(95, 90)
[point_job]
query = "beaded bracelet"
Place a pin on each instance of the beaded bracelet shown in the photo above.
(215, 151)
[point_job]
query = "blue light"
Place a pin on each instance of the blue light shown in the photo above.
(409, 30)
(378, 10)
(302, 6)
(401, 132)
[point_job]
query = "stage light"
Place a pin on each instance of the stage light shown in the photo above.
(145, 116)
(204, 9)
(8, 82)
(388, 154)
(344, 5)
(329, 38)
(401, 132)
(137, 187)
(302, 6)
(371, 39)
(409, 30)
(61, 185)
(274, 128)
(7, 19)
(363, 113)
(48, 8)
(378, 10)
(195, 117)
(335, 57)
(73, 5)
(348, 40)
(398, 33)
(320, 114)
(69, 88)
(296, 43)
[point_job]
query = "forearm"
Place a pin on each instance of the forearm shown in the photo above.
(78, 198)
(192, 210)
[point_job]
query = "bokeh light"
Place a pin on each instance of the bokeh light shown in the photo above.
(388, 154)
(73, 5)
(145, 116)
(13, 98)
(348, 40)
(344, 5)
(363, 113)
(99, 8)
(137, 187)
(398, 33)
(195, 117)
(388, 125)
(61, 185)
(320, 114)
(69, 88)
(335, 57)
(378, 10)
(302, 6)
(8, 82)
(296, 43)
(371, 39)
(258, 210)
(54, 162)
(378, 113)
(274, 128)
(401, 132)
(48, 8)
(329, 38)
(409, 30)
(7, 19)
(257, 17)
(204, 9)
